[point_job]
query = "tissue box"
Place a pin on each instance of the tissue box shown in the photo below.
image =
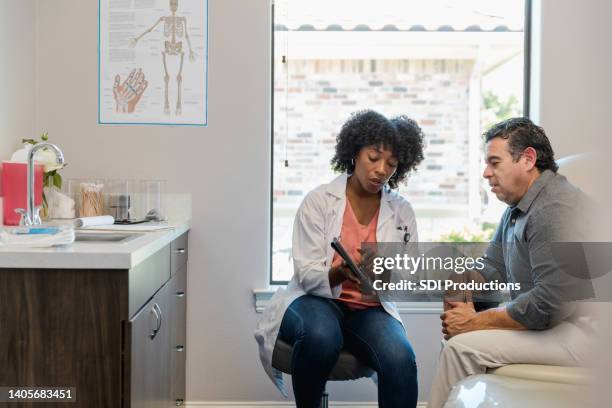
(15, 189)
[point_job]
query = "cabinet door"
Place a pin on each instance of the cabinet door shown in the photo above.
(149, 362)
(178, 309)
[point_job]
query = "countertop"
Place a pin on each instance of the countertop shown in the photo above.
(93, 255)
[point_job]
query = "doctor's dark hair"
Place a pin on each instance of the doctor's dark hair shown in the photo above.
(401, 135)
(522, 133)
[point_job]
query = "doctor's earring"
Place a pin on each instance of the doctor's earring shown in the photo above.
(353, 162)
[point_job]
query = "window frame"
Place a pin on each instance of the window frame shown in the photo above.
(526, 112)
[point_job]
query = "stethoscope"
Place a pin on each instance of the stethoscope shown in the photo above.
(406, 233)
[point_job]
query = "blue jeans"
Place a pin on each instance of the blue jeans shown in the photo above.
(319, 328)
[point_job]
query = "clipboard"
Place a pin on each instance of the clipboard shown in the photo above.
(363, 278)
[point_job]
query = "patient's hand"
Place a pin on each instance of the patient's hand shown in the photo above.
(463, 296)
(458, 319)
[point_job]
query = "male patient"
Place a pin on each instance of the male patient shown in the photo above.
(537, 326)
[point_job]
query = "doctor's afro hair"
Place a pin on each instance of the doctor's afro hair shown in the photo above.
(401, 135)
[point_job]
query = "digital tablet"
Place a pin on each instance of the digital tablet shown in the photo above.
(363, 278)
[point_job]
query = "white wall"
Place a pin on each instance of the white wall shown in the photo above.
(17, 78)
(575, 62)
(575, 104)
(226, 165)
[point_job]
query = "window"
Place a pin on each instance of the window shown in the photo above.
(454, 67)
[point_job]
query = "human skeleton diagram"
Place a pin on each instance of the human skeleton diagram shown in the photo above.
(174, 28)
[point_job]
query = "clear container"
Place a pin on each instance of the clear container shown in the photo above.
(127, 200)
(90, 197)
(154, 199)
(62, 203)
(120, 199)
(135, 200)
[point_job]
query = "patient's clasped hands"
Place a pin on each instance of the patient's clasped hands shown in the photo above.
(458, 317)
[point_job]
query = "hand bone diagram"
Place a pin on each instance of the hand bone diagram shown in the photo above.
(128, 93)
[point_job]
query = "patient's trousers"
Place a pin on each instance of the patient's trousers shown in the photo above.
(474, 352)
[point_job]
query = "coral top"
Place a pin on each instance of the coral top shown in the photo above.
(352, 235)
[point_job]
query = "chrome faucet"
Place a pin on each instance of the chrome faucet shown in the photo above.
(31, 215)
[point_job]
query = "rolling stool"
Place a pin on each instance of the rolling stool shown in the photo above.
(348, 367)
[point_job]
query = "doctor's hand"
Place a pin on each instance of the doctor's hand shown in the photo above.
(367, 261)
(458, 319)
(341, 273)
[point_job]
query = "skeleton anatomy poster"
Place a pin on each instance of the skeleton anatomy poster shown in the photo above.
(153, 62)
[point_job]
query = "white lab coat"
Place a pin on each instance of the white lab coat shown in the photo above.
(317, 222)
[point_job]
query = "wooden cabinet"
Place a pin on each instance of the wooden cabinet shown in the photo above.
(118, 336)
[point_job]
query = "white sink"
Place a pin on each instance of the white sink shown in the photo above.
(98, 237)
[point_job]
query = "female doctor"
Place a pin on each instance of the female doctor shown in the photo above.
(323, 310)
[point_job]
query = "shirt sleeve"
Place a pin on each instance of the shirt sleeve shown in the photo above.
(309, 251)
(553, 273)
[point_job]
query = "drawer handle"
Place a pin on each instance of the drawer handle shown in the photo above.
(158, 316)
(180, 251)
(179, 294)
(156, 329)
(180, 348)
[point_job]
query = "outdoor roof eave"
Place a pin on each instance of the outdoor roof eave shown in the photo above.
(388, 45)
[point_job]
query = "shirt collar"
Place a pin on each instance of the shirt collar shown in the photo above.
(533, 191)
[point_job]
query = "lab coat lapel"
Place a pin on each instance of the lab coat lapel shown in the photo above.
(385, 214)
(337, 194)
